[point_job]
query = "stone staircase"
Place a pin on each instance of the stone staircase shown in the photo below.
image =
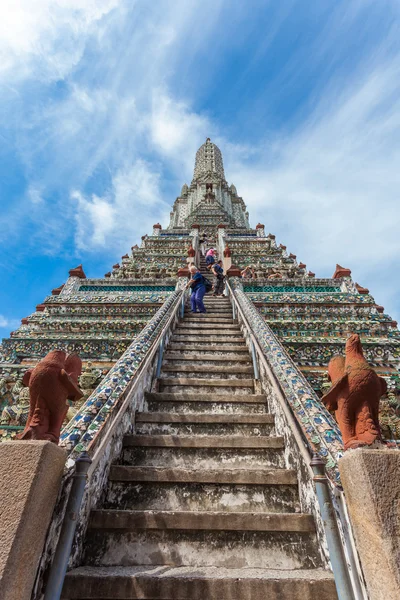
(201, 506)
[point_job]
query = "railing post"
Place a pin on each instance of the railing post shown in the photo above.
(160, 357)
(63, 551)
(183, 305)
(338, 561)
(254, 357)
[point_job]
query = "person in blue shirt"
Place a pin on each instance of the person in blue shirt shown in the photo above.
(198, 288)
(218, 278)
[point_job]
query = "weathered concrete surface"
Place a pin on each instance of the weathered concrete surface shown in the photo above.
(371, 481)
(30, 475)
(181, 583)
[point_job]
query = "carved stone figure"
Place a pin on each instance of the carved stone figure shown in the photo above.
(389, 417)
(17, 414)
(51, 382)
(355, 396)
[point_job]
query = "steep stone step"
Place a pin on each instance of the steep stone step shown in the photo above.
(209, 375)
(199, 496)
(214, 403)
(162, 423)
(207, 347)
(201, 368)
(178, 546)
(208, 333)
(195, 337)
(261, 477)
(220, 398)
(206, 326)
(225, 357)
(208, 320)
(203, 441)
(223, 313)
(224, 386)
(198, 428)
(204, 520)
(204, 583)
(204, 386)
(162, 417)
(203, 458)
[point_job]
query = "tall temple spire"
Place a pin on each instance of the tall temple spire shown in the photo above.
(209, 201)
(208, 162)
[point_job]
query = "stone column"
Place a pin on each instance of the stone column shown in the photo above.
(371, 482)
(30, 475)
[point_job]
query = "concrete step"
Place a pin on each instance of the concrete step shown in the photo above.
(220, 398)
(176, 366)
(199, 428)
(202, 583)
(212, 311)
(243, 357)
(200, 403)
(209, 335)
(209, 379)
(260, 477)
(208, 320)
(177, 489)
(202, 441)
(197, 539)
(206, 347)
(204, 458)
(206, 326)
(199, 349)
(209, 340)
(205, 385)
(133, 520)
(162, 417)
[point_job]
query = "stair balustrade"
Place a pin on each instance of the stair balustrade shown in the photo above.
(97, 430)
(306, 426)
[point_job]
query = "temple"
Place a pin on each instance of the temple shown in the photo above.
(99, 318)
(231, 454)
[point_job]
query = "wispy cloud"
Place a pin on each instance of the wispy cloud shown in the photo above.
(106, 101)
(45, 39)
(128, 210)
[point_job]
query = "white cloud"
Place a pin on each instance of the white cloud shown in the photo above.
(330, 190)
(46, 38)
(176, 130)
(131, 207)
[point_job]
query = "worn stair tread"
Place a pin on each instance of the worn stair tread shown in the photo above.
(163, 417)
(218, 476)
(201, 520)
(207, 369)
(192, 381)
(201, 347)
(197, 397)
(206, 339)
(197, 583)
(239, 357)
(203, 324)
(203, 441)
(208, 320)
(208, 332)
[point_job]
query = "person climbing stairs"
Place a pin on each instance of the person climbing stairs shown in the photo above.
(200, 505)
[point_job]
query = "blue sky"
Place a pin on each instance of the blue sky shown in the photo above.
(103, 104)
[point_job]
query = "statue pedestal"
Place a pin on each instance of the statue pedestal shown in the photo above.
(371, 482)
(30, 475)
